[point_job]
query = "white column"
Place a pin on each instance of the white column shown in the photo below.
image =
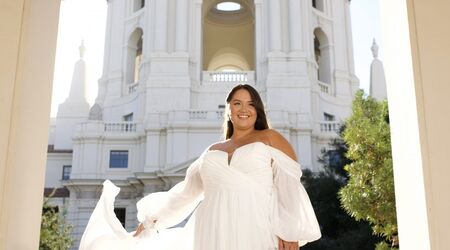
(197, 39)
(275, 25)
(181, 26)
(295, 25)
(418, 88)
(259, 40)
(26, 76)
(161, 25)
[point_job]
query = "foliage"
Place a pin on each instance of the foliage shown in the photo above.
(55, 232)
(369, 193)
(339, 230)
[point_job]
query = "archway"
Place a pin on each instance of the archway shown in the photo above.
(228, 35)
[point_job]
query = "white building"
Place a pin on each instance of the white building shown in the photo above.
(168, 66)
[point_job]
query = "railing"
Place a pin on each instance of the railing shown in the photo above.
(228, 77)
(329, 126)
(120, 127)
(133, 87)
(324, 87)
(198, 114)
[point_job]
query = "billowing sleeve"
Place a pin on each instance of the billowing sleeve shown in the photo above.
(292, 215)
(171, 207)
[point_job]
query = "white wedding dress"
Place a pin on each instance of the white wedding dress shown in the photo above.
(244, 205)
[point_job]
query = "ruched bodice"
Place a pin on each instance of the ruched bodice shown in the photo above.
(246, 203)
(243, 172)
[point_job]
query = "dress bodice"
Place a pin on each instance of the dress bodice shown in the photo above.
(250, 165)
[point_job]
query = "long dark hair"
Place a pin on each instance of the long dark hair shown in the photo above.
(261, 119)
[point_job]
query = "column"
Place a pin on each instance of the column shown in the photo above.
(259, 39)
(26, 76)
(275, 25)
(161, 26)
(295, 25)
(418, 89)
(181, 26)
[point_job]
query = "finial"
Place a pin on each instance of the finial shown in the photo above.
(82, 49)
(374, 49)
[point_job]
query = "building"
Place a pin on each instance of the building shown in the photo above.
(168, 66)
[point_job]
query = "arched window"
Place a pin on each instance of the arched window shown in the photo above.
(134, 57)
(322, 56)
(138, 60)
(138, 4)
(228, 36)
(318, 4)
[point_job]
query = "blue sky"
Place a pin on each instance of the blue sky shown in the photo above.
(86, 20)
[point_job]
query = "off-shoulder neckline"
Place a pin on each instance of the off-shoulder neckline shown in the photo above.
(251, 143)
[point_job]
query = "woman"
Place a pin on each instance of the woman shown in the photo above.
(250, 187)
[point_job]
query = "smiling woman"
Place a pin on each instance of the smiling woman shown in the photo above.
(250, 189)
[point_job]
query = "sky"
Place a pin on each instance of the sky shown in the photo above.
(85, 20)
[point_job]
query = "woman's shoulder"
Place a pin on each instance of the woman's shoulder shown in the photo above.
(220, 145)
(277, 140)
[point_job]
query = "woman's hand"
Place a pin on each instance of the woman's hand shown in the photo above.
(139, 230)
(286, 245)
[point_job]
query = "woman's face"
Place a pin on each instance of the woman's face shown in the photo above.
(242, 110)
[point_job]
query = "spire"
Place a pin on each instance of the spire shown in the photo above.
(82, 50)
(75, 109)
(374, 49)
(78, 86)
(377, 78)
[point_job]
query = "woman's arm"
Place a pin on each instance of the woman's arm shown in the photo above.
(165, 209)
(293, 217)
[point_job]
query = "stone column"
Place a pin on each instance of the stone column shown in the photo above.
(181, 26)
(161, 26)
(418, 88)
(295, 25)
(26, 76)
(259, 39)
(275, 25)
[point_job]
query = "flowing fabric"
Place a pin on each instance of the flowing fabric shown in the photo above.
(242, 205)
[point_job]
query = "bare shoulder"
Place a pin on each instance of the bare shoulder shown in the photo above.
(218, 145)
(278, 141)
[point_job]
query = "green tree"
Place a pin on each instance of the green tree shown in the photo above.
(339, 230)
(55, 232)
(369, 193)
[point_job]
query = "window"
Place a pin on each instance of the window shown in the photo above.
(138, 4)
(328, 117)
(134, 57)
(318, 4)
(67, 169)
(121, 213)
(138, 60)
(334, 158)
(128, 118)
(322, 56)
(118, 159)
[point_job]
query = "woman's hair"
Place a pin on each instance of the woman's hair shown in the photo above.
(261, 119)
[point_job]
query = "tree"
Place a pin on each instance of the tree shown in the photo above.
(339, 230)
(369, 193)
(55, 232)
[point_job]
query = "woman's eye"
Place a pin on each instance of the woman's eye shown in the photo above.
(236, 103)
